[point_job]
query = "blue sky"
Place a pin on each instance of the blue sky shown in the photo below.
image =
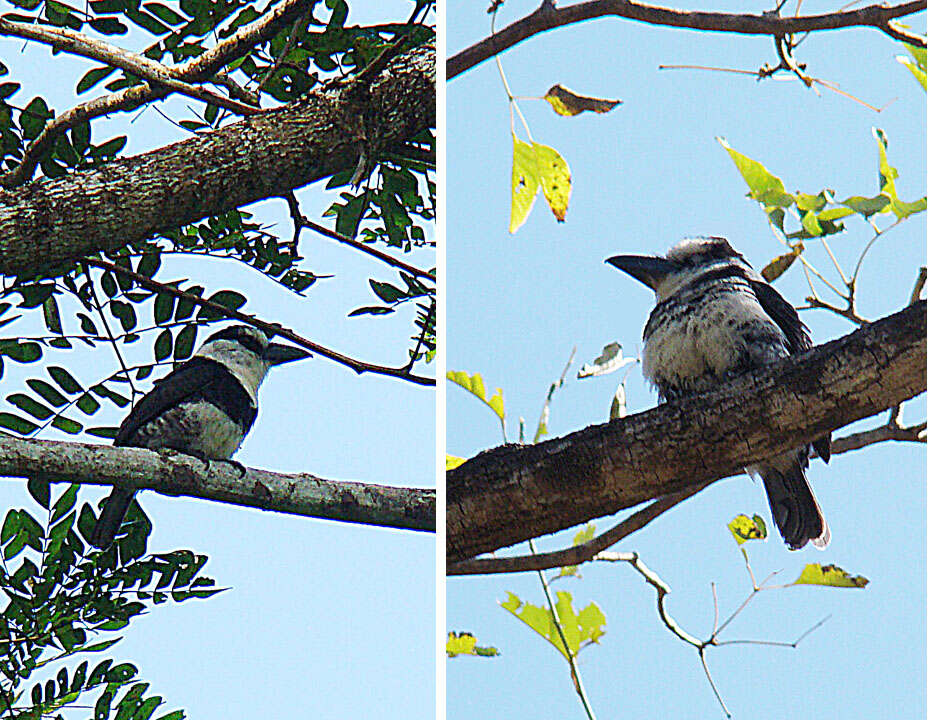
(317, 610)
(645, 176)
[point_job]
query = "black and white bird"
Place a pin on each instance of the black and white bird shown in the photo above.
(714, 318)
(204, 407)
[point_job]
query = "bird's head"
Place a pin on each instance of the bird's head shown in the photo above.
(247, 353)
(684, 262)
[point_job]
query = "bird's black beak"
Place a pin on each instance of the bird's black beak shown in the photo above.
(648, 270)
(279, 354)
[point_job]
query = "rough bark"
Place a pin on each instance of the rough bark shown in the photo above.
(516, 492)
(50, 222)
(176, 474)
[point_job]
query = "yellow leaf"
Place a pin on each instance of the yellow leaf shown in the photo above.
(555, 177)
(778, 266)
(474, 384)
(829, 576)
(452, 461)
(566, 102)
(466, 644)
(524, 184)
(745, 528)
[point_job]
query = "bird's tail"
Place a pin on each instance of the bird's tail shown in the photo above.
(111, 517)
(793, 506)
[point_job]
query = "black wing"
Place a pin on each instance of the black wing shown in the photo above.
(784, 314)
(798, 337)
(199, 377)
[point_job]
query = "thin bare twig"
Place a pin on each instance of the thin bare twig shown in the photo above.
(358, 366)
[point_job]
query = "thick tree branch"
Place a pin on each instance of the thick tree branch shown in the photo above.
(515, 492)
(177, 474)
(202, 67)
(358, 366)
(51, 222)
(548, 17)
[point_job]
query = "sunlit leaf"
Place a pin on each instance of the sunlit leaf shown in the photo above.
(566, 102)
(474, 384)
(745, 528)
(830, 576)
(466, 644)
(524, 184)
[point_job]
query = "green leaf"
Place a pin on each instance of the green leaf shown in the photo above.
(829, 576)
(466, 644)
(745, 528)
(371, 310)
(764, 186)
(164, 308)
(578, 628)
(17, 424)
(474, 384)
(72, 427)
(25, 352)
(108, 26)
(41, 491)
(227, 298)
(48, 393)
(524, 184)
(889, 175)
(163, 345)
(917, 65)
(811, 224)
(585, 535)
(386, 292)
(65, 503)
(29, 405)
(184, 344)
(87, 404)
(51, 315)
(92, 77)
(64, 379)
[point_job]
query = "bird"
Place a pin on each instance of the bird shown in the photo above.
(716, 317)
(204, 407)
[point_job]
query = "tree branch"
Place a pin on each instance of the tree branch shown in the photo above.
(202, 67)
(548, 17)
(76, 43)
(578, 553)
(516, 492)
(358, 366)
(48, 223)
(177, 474)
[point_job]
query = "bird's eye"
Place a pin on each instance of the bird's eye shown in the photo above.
(250, 343)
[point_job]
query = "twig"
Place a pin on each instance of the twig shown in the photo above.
(109, 333)
(302, 222)
(575, 674)
(358, 366)
(547, 17)
(578, 553)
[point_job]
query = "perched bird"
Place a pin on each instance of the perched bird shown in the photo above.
(204, 407)
(714, 318)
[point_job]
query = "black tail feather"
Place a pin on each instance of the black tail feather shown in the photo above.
(111, 517)
(793, 506)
